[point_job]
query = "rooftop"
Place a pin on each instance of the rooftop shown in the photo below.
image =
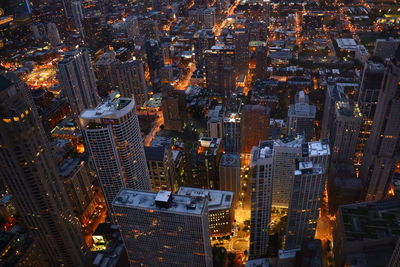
(113, 108)
(230, 160)
(217, 199)
(308, 167)
(316, 148)
(290, 141)
(67, 167)
(177, 204)
(154, 153)
(4, 83)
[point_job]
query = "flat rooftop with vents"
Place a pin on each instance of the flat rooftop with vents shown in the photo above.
(217, 199)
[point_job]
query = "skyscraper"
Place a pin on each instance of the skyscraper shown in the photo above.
(53, 34)
(301, 116)
(305, 202)
(256, 118)
(367, 99)
(231, 130)
(174, 108)
(132, 27)
(154, 59)
(220, 71)
(161, 229)
(112, 135)
(28, 170)
(261, 184)
(77, 15)
(386, 48)
(125, 77)
(241, 43)
(78, 81)
(383, 146)
(229, 175)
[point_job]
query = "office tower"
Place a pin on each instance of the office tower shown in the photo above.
(174, 108)
(261, 62)
(113, 138)
(386, 48)
(253, 126)
(285, 153)
(53, 34)
(366, 233)
(301, 116)
(74, 174)
(209, 18)
(220, 72)
(28, 170)
(258, 31)
(132, 27)
(231, 130)
(154, 59)
(383, 146)
(241, 43)
(367, 100)
(126, 77)
(261, 198)
(229, 175)
(203, 40)
(78, 81)
(167, 230)
(220, 208)
(161, 168)
(215, 122)
(344, 132)
(203, 163)
(305, 203)
(77, 15)
(39, 31)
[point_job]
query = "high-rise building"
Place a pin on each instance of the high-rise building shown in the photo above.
(366, 233)
(53, 34)
(174, 108)
(261, 196)
(28, 170)
(39, 31)
(220, 71)
(301, 116)
(241, 43)
(127, 77)
(395, 259)
(367, 99)
(386, 48)
(215, 122)
(209, 18)
(229, 175)
(203, 166)
(150, 30)
(113, 138)
(305, 203)
(167, 229)
(154, 59)
(203, 40)
(78, 81)
(77, 15)
(220, 208)
(161, 168)
(344, 132)
(132, 27)
(285, 153)
(254, 126)
(261, 61)
(231, 130)
(383, 146)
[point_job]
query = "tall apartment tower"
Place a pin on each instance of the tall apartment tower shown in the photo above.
(112, 135)
(132, 27)
(241, 42)
(161, 229)
(229, 175)
(28, 170)
(220, 71)
(53, 35)
(345, 129)
(261, 183)
(127, 77)
(301, 116)
(305, 203)
(78, 80)
(383, 146)
(77, 15)
(254, 126)
(367, 100)
(285, 152)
